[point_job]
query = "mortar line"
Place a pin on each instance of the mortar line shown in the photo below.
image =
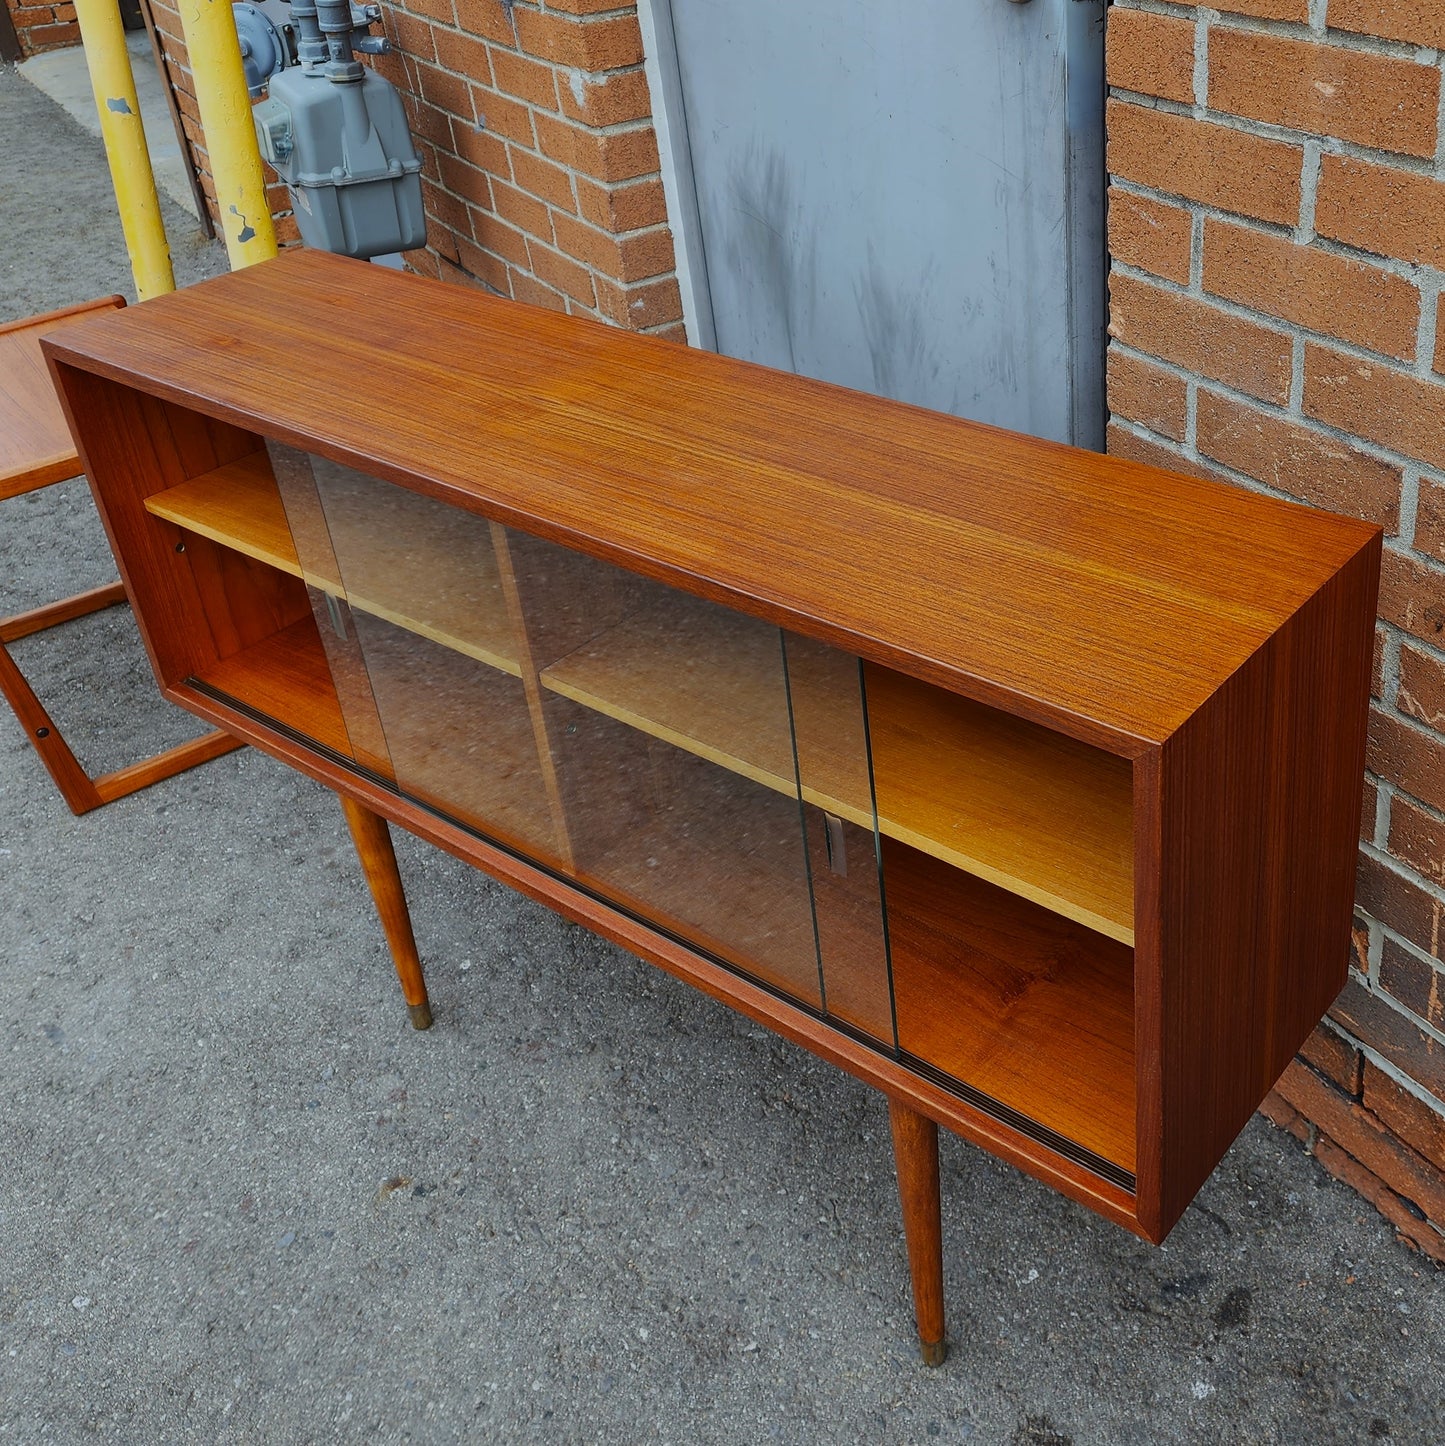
(1383, 798)
(1440, 118)
(1375, 951)
(1409, 502)
(1201, 57)
(1309, 186)
(1430, 285)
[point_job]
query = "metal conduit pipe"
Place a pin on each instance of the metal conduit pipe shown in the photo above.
(310, 43)
(337, 23)
(113, 83)
(209, 29)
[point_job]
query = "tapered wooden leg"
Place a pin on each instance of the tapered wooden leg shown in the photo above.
(915, 1152)
(378, 862)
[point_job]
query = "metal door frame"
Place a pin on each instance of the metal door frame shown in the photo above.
(1084, 187)
(669, 118)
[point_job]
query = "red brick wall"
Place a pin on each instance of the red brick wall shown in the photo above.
(540, 171)
(43, 27)
(541, 174)
(1277, 229)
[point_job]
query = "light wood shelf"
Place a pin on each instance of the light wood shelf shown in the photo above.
(405, 570)
(1024, 808)
(1034, 812)
(238, 506)
(697, 676)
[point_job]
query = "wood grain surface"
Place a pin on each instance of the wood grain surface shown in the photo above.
(132, 445)
(374, 850)
(865, 523)
(36, 449)
(1033, 1010)
(1201, 654)
(915, 1153)
(393, 554)
(1248, 852)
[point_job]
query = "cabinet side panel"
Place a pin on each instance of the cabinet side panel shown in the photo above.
(131, 446)
(1260, 798)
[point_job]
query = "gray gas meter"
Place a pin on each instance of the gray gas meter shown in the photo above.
(336, 133)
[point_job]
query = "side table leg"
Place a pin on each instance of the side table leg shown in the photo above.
(60, 763)
(915, 1153)
(378, 862)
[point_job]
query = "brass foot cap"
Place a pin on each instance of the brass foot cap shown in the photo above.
(420, 1015)
(934, 1353)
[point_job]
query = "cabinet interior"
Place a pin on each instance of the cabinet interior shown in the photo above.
(699, 768)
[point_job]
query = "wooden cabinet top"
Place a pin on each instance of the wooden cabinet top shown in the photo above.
(1104, 598)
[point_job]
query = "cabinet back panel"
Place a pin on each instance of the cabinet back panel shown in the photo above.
(242, 600)
(459, 736)
(285, 678)
(707, 854)
(1026, 1007)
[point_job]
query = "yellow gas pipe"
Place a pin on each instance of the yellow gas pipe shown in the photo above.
(125, 146)
(220, 81)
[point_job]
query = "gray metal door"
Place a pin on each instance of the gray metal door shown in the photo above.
(903, 199)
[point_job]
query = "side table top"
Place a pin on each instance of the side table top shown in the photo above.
(35, 444)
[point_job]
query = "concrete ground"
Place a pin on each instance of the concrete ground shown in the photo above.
(65, 78)
(242, 1201)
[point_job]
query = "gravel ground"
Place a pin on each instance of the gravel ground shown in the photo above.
(242, 1201)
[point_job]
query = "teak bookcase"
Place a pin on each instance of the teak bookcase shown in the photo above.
(1021, 782)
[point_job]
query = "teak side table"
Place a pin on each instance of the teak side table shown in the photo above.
(1020, 782)
(36, 451)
